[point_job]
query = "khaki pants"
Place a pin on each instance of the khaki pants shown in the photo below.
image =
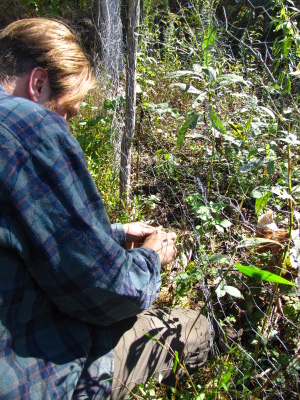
(137, 357)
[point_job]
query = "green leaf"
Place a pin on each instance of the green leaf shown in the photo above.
(261, 202)
(186, 88)
(256, 194)
(287, 85)
(271, 168)
(138, 88)
(218, 258)
(189, 124)
(268, 111)
(208, 43)
(257, 242)
(219, 228)
(226, 376)
(211, 73)
(257, 273)
(222, 289)
(216, 122)
(225, 223)
(281, 193)
(200, 99)
(233, 291)
(290, 139)
(220, 292)
(176, 360)
(248, 124)
(180, 73)
(248, 167)
(203, 213)
(226, 79)
(209, 38)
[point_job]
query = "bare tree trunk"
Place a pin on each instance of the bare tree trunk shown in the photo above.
(132, 41)
(97, 41)
(108, 37)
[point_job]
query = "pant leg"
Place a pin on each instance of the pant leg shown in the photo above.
(137, 357)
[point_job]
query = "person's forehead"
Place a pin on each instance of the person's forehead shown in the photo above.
(65, 109)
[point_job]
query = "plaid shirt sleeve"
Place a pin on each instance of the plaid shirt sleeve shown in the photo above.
(73, 255)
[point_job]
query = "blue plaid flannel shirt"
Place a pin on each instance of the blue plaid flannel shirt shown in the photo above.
(64, 273)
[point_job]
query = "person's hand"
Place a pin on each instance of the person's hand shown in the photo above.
(136, 233)
(163, 243)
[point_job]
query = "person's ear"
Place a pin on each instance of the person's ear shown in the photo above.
(38, 86)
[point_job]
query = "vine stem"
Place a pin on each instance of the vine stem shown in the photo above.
(210, 167)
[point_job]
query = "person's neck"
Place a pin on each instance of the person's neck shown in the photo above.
(17, 87)
(7, 87)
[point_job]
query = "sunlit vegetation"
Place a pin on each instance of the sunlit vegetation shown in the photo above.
(216, 159)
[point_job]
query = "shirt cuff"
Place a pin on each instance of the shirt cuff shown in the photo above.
(118, 234)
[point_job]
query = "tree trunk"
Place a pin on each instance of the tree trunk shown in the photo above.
(109, 39)
(132, 41)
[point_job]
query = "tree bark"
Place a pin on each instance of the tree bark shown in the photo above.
(109, 37)
(131, 57)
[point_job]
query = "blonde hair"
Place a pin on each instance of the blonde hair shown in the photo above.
(29, 43)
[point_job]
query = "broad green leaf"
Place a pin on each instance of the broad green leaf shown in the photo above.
(219, 228)
(287, 85)
(138, 88)
(200, 99)
(211, 73)
(248, 167)
(203, 212)
(268, 111)
(150, 82)
(216, 122)
(226, 376)
(218, 258)
(220, 292)
(281, 193)
(208, 43)
(225, 223)
(256, 194)
(189, 124)
(178, 74)
(248, 125)
(286, 46)
(176, 360)
(295, 73)
(209, 38)
(290, 139)
(257, 242)
(227, 79)
(261, 202)
(257, 273)
(271, 168)
(197, 68)
(233, 291)
(238, 130)
(222, 289)
(186, 88)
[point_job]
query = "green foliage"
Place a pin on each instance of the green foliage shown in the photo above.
(230, 122)
(92, 129)
(210, 214)
(257, 273)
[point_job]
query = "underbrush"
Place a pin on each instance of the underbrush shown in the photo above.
(216, 159)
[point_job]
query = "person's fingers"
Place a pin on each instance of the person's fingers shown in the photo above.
(164, 244)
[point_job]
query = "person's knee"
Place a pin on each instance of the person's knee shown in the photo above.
(198, 343)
